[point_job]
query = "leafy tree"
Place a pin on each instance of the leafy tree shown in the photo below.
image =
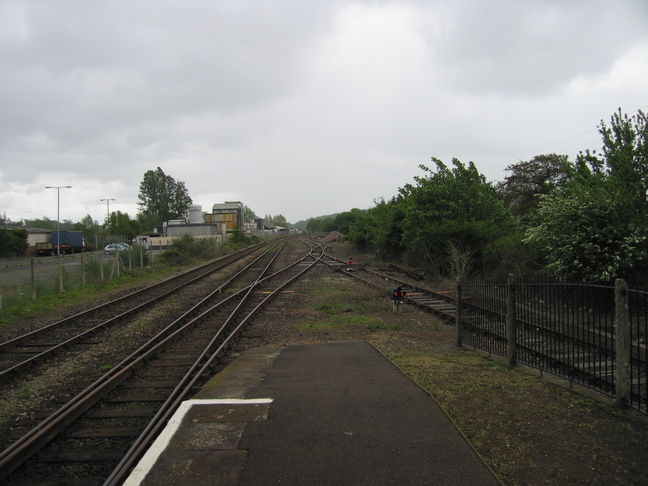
(451, 206)
(148, 221)
(625, 150)
(50, 224)
(121, 224)
(528, 180)
(5, 221)
(277, 220)
(387, 219)
(342, 222)
(13, 243)
(595, 228)
(581, 238)
(90, 228)
(359, 227)
(248, 214)
(316, 224)
(162, 197)
(319, 224)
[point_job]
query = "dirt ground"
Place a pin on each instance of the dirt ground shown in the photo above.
(530, 430)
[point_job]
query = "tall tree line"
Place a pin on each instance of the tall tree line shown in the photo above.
(584, 220)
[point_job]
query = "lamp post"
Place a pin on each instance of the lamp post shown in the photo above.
(58, 220)
(108, 199)
(107, 206)
(58, 230)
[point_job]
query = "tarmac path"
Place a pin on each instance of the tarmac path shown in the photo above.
(343, 414)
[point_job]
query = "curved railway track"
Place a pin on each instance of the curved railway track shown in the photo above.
(23, 351)
(439, 302)
(98, 436)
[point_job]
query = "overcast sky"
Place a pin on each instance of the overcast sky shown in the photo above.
(298, 107)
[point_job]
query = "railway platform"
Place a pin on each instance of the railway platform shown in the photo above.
(319, 414)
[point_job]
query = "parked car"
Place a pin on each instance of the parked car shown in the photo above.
(113, 248)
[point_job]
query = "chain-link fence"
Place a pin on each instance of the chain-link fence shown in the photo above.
(27, 279)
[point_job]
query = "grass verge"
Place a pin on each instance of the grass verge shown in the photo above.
(530, 431)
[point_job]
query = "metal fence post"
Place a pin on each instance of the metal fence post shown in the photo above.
(60, 269)
(622, 342)
(83, 275)
(458, 306)
(511, 324)
(33, 278)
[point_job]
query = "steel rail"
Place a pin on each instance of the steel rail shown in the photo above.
(85, 312)
(16, 368)
(191, 377)
(28, 444)
(12, 457)
(431, 293)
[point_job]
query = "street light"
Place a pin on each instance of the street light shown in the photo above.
(58, 221)
(107, 207)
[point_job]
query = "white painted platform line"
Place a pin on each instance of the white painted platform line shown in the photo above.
(149, 459)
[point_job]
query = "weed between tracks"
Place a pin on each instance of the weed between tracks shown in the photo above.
(338, 305)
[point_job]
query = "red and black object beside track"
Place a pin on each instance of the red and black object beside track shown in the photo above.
(90, 439)
(439, 302)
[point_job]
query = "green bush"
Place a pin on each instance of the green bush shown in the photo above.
(188, 249)
(13, 243)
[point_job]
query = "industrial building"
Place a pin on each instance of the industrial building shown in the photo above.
(229, 213)
(223, 219)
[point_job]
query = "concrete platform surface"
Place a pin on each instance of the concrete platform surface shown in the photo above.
(324, 414)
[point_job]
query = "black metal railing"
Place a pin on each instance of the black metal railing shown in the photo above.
(564, 329)
(484, 316)
(638, 310)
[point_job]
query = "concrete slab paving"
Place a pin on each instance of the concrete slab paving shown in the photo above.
(200, 444)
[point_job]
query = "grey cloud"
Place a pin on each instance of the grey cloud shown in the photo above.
(532, 47)
(248, 99)
(85, 67)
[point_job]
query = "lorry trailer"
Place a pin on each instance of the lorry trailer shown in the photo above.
(70, 241)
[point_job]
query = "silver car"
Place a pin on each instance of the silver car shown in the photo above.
(113, 248)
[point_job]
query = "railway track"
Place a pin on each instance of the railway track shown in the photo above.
(99, 434)
(24, 351)
(439, 302)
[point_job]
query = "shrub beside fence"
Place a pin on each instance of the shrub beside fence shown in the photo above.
(590, 334)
